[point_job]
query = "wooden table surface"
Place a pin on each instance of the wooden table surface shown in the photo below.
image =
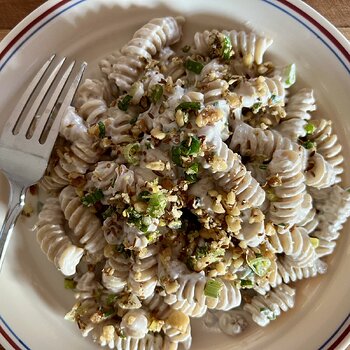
(336, 11)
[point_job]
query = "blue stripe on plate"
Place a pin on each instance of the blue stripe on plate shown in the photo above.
(311, 30)
(14, 334)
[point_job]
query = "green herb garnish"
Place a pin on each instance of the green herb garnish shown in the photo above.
(157, 93)
(130, 152)
(221, 46)
(101, 129)
(123, 104)
(263, 166)
(309, 145)
(111, 299)
(157, 204)
(92, 198)
(256, 106)
(268, 313)
(194, 66)
(247, 283)
(133, 120)
(69, 283)
(188, 147)
(289, 73)
(188, 106)
(192, 169)
(260, 266)
(186, 48)
(213, 288)
(310, 128)
(144, 196)
(108, 213)
(191, 178)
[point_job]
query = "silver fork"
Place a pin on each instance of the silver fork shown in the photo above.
(27, 140)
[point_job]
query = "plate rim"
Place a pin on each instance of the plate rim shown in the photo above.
(22, 31)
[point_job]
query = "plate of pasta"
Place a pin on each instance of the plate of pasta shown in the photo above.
(198, 189)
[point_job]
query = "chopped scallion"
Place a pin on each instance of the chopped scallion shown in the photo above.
(111, 299)
(102, 130)
(192, 169)
(289, 73)
(263, 166)
(157, 204)
(309, 145)
(92, 198)
(186, 48)
(310, 128)
(123, 104)
(213, 288)
(69, 283)
(194, 66)
(247, 283)
(108, 213)
(188, 106)
(157, 93)
(260, 266)
(130, 152)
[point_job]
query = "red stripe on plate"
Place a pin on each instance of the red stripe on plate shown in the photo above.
(31, 25)
(340, 339)
(9, 340)
(285, 2)
(330, 36)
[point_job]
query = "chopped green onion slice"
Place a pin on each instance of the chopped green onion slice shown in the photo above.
(157, 93)
(130, 152)
(213, 288)
(192, 169)
(108, 313)
(315, 242)
(101, 129)
(191, 178)
(260, 266)
(123, 104)
(111, 299)
(92, 198)
(310, 128)
(157, 204)
(309, 145)
(188, 106)
(176, 155)
(188, 147)
(108, 213)
(194, 66)
(69, 283)
(268, 313)
(256, 106)
(263, 166)
(226, 48)
(191, 146)
(289, 73)
(144, 196)
(133, 120)
(186, 48)
(246, 283)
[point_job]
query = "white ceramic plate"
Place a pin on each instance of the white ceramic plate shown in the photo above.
(32, 299)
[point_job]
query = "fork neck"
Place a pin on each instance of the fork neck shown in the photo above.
(16, 203)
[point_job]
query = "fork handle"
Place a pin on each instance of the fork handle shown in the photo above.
(16, 203)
